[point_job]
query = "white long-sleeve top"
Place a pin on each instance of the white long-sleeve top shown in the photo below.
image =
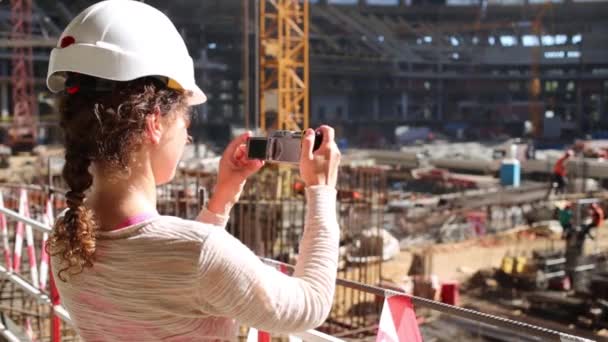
(169, 279)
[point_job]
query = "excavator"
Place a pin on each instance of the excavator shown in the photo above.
(566, 283)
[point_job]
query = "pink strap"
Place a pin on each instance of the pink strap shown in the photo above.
(136, 219)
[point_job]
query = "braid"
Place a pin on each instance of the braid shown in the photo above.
(74, 235)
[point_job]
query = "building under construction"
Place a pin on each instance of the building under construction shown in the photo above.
(434, 222)
(463, 68)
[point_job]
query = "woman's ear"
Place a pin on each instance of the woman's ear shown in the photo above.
(154, 127)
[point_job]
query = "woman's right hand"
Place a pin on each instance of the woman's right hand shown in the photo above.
(321, 166)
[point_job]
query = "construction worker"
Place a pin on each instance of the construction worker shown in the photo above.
(559, 179)
(575, 242)
(124, 272)
(596, 216)
(565, 219)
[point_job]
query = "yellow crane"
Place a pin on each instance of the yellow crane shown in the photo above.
(535, 88)
(284, 64)
(283, 80)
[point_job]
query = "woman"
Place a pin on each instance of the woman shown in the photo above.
(123, 271)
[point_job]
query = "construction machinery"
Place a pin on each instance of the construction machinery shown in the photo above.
(568, 284)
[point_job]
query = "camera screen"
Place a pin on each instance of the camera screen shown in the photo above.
(257, 148)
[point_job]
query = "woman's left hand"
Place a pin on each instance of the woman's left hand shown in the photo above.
(233, 172)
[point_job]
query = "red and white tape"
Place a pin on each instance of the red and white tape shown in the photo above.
(19, 236)
(5, 244)
(29, 237)
(31, 248)
(29, 331)
(398, 321)
(48, 219)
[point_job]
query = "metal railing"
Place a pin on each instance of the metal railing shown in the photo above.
(472, 315)
(58, 312)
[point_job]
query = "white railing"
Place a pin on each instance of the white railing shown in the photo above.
(58, 313)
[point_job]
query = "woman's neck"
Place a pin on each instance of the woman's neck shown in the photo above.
(115, 200)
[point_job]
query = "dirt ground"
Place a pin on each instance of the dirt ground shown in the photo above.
(458, 261)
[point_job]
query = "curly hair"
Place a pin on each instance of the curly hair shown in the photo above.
(105, 127)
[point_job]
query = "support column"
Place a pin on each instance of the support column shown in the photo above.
(202, 78)
(440, 99)
(403, 101)
(246, 63)
(602, 108)
(237, 110)
(376, 107)
(346, 112)
(4, 101)
(410, 82)
(580, 118)
(603, 104)
(579, 107)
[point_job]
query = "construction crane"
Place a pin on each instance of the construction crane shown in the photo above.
(22, 132)
(534, 107)
(283, 65)
(283, 82)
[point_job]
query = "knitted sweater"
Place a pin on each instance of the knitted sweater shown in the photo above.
(171, 279)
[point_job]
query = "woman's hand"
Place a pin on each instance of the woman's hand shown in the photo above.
(233, 172)
(321, 166)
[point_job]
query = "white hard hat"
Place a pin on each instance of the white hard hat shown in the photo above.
(122, 40)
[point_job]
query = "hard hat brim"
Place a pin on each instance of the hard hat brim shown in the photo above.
(197, 97)
(118, 65)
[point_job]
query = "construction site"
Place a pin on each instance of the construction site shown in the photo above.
(454, 119)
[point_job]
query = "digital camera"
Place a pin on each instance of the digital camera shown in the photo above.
(280, 146)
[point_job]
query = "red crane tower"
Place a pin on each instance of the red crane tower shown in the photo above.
(22, 133)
